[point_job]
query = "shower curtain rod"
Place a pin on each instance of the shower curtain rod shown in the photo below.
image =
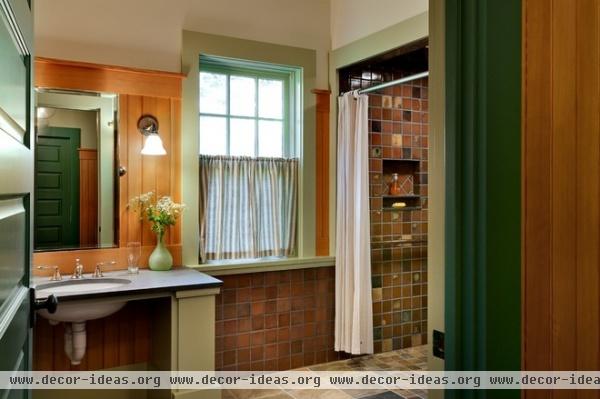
(394, 82)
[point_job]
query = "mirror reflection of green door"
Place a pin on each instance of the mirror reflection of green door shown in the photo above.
(56, 220)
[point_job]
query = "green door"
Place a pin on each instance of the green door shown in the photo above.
(56, 220)
(16, 177)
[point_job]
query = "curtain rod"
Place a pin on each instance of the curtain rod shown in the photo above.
(395, 82)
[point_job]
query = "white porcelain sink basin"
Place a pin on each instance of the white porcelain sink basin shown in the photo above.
(75, 312)
(79, 286)
(80, 311)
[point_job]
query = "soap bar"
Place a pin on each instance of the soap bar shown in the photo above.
(398, 204)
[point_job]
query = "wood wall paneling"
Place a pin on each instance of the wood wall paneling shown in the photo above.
(120, 339)
(561, 189)
(322, 164)
(140, 92)
(144, 174)
(536, 192)
(125, 337)
(88, 197)
(587, 178)
(74, 75)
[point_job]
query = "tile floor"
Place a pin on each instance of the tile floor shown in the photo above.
(404, 359)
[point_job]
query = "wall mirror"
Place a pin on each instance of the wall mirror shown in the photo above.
(76, 180)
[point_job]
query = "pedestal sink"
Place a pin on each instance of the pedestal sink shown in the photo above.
(74, 313)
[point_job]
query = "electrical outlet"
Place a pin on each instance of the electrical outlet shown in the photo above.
(438, 344)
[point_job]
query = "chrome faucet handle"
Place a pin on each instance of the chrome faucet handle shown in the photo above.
(98, 270)
(55, 272)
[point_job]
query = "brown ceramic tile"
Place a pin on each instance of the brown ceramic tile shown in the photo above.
(279, 320)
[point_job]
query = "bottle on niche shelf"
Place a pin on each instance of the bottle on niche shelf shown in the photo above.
(395, 187)
(400, 185)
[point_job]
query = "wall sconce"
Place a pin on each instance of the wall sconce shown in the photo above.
(43, 115)
(153, 145)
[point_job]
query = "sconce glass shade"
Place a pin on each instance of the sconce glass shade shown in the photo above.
(45, 112)
(153, 145)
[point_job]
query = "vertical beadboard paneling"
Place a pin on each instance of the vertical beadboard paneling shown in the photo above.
(563, 116)
(587, 135)
(162, 182)
(120, 339)
(175, 159)
(134, 166)
(561, 189)
(537, 190)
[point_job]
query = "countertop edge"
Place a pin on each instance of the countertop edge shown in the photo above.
(152, 289)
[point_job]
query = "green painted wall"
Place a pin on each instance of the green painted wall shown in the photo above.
(483, 157)
(194, 44)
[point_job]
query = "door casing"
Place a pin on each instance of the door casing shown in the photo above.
(483, 188)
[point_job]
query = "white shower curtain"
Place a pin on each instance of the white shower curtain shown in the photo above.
(353, 301)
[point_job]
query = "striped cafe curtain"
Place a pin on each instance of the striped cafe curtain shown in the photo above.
(248, 207)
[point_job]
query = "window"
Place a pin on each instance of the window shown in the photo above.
(247, 108)
(248, 164)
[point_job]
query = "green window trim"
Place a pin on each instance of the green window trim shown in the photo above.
(291, 77)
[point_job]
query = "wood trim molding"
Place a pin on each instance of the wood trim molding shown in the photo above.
(88, 196)
(322, 172)
(74, 75)
(88, 154)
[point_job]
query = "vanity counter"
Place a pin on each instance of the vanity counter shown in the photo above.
(146, 282)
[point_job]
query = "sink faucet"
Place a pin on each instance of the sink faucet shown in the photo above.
(98, 270)
(55, 272)
(78, 272)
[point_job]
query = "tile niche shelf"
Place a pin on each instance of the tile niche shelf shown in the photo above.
(398, 165)
(413, 202)
(402, 167)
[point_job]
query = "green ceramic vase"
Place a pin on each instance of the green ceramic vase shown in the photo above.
(160, 259)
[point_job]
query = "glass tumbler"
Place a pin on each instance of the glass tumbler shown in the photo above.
(134, 253)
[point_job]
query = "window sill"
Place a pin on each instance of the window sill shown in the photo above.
(261, 265)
